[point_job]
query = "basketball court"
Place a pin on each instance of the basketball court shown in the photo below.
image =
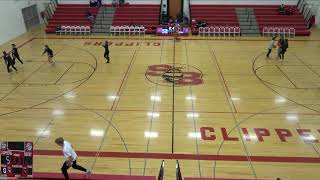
(216, 105)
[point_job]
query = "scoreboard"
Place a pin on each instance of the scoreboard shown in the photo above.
(16, 159)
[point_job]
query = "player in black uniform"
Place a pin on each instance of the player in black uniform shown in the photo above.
(9, 61)
(49, 53)
(106, 52)
(15, 53)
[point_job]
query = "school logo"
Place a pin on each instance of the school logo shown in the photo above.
(177, 75)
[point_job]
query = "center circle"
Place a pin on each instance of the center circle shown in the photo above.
(174, 75)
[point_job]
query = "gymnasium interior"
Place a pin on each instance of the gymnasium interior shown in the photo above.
(194, 90)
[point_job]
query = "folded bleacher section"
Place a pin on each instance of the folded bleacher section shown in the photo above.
(214, 15)
(136, 15)
(266, 16)
(70, 15)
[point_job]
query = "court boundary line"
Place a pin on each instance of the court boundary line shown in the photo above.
(286, 76)
(215, 61)
(187, 39)
(175, 156)
(193, 109)
(173, 96)
(117, 99)
(116, 103)
(64, 73)
(152, 112)
(306, 64)
(279, 86)
(166, 111)
(54, 175)
(228, 96)
(277, 91)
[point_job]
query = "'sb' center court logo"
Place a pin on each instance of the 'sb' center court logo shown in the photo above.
(178, 75)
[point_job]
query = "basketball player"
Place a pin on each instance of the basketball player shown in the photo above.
(71, 158)
(284, 48)
(15, 53)
(280, 46)
(49, 53)
(271, 46)
(106, 52)
(9, 61)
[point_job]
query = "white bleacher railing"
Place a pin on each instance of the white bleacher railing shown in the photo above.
(278, 31)
(220, 31)
(127, 30)
(76, 30)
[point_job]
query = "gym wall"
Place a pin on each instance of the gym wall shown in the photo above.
(11, 18)
(110, 1)
(274, 2)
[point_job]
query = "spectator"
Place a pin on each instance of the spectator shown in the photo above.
(270, 47)
(99, 3)
(171, 19)
(185, 20)
(282, 10)
(93, 3)
(204, 24)
(199, 24)
(90, 16)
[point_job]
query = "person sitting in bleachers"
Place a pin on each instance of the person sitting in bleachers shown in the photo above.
(171, 19)
(199, 24)
(282, 10)
(93, 3)
(185, 20)
(99, 3)
(90, 16)
(204, 24)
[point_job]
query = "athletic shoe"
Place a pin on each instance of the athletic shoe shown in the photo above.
(88, 172)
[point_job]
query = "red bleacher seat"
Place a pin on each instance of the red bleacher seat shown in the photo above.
(70, 14)
(214, 15)
(266, 15)
(270, 17)
(137, 14)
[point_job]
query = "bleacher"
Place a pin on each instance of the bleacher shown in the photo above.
(214, 15)
(146, 15)
(69, 15)
(266, 16)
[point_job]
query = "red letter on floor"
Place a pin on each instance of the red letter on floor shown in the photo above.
(307, 138)
(246, 134)
(283, 133)
(226, 137)
(97, 44)
(203, 133)
(260, 132)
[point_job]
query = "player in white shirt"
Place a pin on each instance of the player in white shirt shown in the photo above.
(271, 46)
(71, 158)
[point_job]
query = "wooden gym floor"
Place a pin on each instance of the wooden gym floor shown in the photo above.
(234, 114)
